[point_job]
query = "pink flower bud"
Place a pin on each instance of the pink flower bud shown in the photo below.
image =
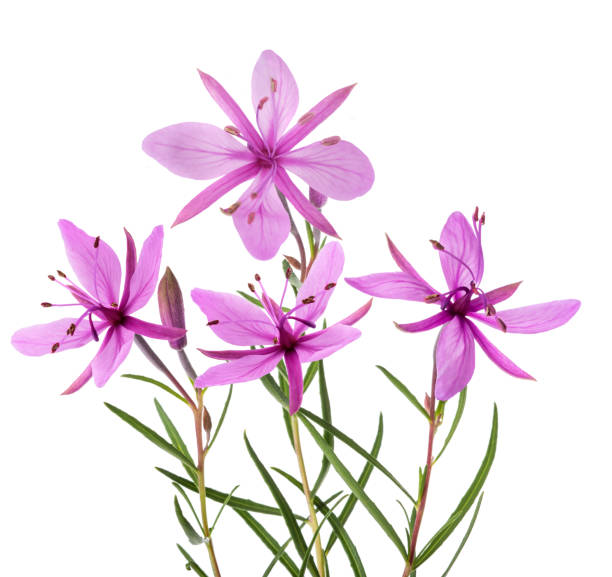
(316, 198)
(171, 309)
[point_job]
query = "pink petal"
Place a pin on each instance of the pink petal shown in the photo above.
(309, 121)
(501, 360)
(37, 340)
(302, 204)
(426, 324)
(215, 191)
(261, 218)
(493, 297)
(454, 359)
(534, 318)
(196, 150)
(130, 267)
(244, 369)
(459, 239)
(275, 96)
(296, 380)
(337, 169)
(357, 315)
(233, 111)
(391, 285)
(403, 263)
(112, 353)
(152, 330)
(240, 322)
(234, 354)
(321, 344)
(79, 381)
(144, 280)
(97, 269)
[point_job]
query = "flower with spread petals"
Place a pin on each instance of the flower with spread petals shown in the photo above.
(462, 263)
(97, 268)
(283, 334)
(240, 153)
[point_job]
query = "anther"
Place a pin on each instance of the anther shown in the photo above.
(432, 298)
(71, 329)
(114, 305)
(46, 305)
(254, 194)
(250, 218)
(50, 277)
(330, 140)
(288, 273)
(308, 300)
(437, 245)
(60, 273)
(273, 85)
(502, 324)
(231, 209)
(490, 311)
(275, 340)
(482, 219)
(251, 287)
(475, 215)
(55, 347)
(257, 277)
(211, 323)
(305, 118)
(262, 102)
(97, 242)
(330, 285)
(232, 130)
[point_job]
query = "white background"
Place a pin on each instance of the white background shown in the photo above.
(502, 104)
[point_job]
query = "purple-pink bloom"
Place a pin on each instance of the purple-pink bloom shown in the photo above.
(333, 167)
(97, 268)
(283, 334)
(461, 257)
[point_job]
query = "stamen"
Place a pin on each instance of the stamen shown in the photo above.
(330, 140)
(440, 247)
(232, 130)
(273, 85)
(303, 321)
(437, 245)
(96, 243)
(60, 273)
(308, 300)
(502, 324)
(475, 215)
(71, 329)
(432, 298)
(231, 209)
(275, 340)
(288, 272)
(257, 277)
(254, 195)
(490, 311)
(482, 219)
(46, 305)
(250, 218)
(94, 332)
(54, 347)
(211, 323)
(262, 102)
(330, 285)
(305, 118)
(50, 277)
(114, 305)
(251, 287)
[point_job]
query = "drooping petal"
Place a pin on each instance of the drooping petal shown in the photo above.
(39, 339)
(459, 239)
(261, 218)
(302, 204)
(130, 266)
(335, 168)
(391, 285)
(81, 380)
(97, 269)
(426, 324)
(319, 345)
(501, 360)
(239, 321)
(493, 297)
(275, 96)
(309, 121)
(403, 263)
(234, 354)
(215, 191)
(534, 318)
(357, 315)
(196, 150)
(296, 380)
(233, 111)
(144, 280)
(245, 369)
(455, 359)
(153, 330)
(112, 353)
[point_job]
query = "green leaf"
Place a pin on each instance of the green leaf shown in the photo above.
(355, 487)
(184, 495)
(150, 434)
(191, 564)
(294, 281)
(404, 390)
(194, 537)
(250, 298)
(157, 384)
(310, 236)
(467, 500)
(329, 438)
(455, 423)
(466, 536)
(212, 528)
(222, 417)
(311, 372)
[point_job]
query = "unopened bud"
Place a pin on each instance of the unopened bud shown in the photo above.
(206, 422)
(171, 309)
(294, 262)
(316, 198)
(437, 245)
(427, 403)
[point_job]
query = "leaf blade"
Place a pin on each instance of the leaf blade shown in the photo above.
(404, 390)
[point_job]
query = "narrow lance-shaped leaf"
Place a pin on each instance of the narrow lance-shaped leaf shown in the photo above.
(191, 564)
(194, 537)
(329, 438)
(187, 500)
(222, 417)
(157, 384)
(227, 499)
(310, 374)
(455, 423)
(404, 390)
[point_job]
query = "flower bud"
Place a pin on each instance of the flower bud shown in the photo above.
(171, 309)
(316, 198)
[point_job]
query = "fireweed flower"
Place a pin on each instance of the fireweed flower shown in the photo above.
(462, 263)
(282, 334)
(98, 270)
(332, 166)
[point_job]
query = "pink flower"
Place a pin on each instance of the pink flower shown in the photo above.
(282, 334)
(334, 167)
(97, 268)
(463, 264)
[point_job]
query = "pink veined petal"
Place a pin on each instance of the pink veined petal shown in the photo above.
(403, 263)
(275, 96)
(296, 380)
(144, 280)
(357, 315)
(459, 239)
(337, 169)
(534, 318)
(501, 360)
(234, 354)
(321, 344)
(215, 191)
(309, 121)
(233, 111)
(196, 150)
(455, 359)
(97, 269)
(152, 330)
(37, 340)
(426, 324)
(302, 204)
(112, 353)
(81, 380)
(240, 322)
(130, 267)
(391, 285)
(493, 297)
(245, 369)
(261, 219)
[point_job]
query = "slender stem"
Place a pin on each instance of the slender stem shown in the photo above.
(313, 517)
(186, 364)
(298, 239)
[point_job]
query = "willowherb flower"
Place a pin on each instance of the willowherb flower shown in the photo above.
(97, 268)
(283, 333)
(461, 257)
(333, 167)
